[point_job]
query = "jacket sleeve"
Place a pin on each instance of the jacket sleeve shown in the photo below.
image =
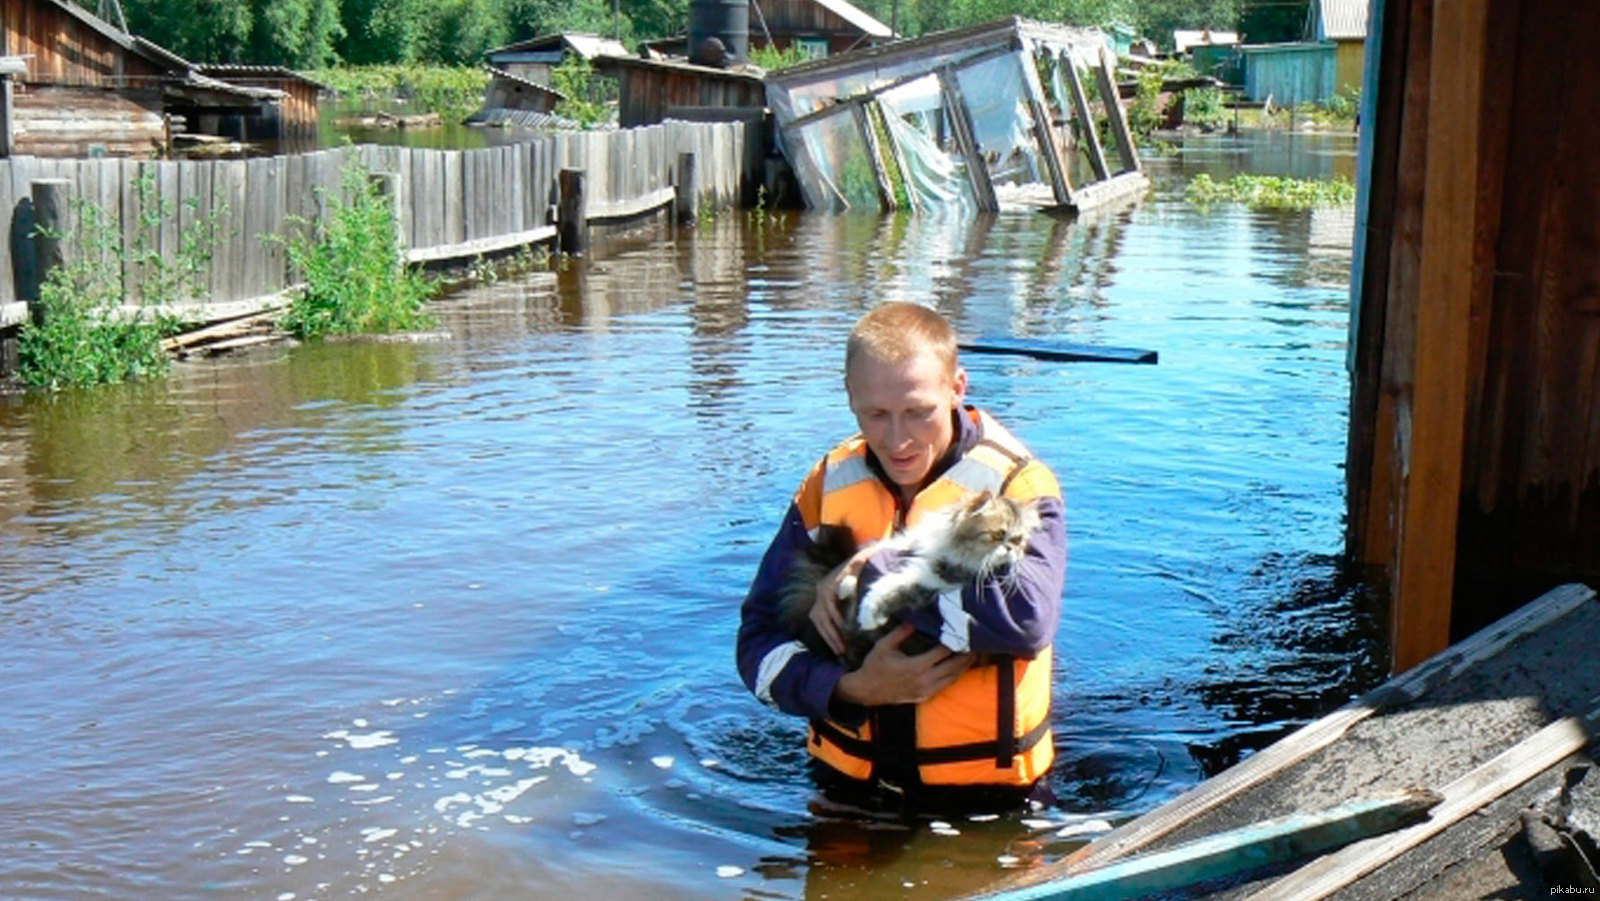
(775, 666)
(1015, 613)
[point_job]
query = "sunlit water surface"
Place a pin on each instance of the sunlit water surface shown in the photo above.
(455, 620)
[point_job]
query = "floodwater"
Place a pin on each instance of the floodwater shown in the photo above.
(455, 620)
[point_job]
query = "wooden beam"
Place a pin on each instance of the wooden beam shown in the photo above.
(961, 129)
(1085, 118)
(1235, 851)
(869, 139)
(1115, 113)
(1275, 758)
(1423, 576)
(1516, 765)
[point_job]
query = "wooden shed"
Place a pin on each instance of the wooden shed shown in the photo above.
(92, 88)
(294, 115)
(1474, 452)
(531, 60)
(507, 91)
(1344, 24)
(651, 90)
(820, 28)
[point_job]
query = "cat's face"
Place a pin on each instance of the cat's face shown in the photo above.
(996, 528)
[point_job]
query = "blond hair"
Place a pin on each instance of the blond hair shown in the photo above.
(894, 331)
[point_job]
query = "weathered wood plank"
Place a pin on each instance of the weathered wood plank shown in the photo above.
(455, 198)
(1461, 798)
(1235, 851)
(1252, 771)
(1423, 578)
(235, 179)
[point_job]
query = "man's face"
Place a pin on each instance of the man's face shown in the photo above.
(904, 410)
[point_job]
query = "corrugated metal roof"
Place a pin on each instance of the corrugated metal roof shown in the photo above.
(226, 71)
(1339, 20)
(1183, 40)
(584, 44)
(856, 17)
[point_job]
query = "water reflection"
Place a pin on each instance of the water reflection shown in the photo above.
(456, 619)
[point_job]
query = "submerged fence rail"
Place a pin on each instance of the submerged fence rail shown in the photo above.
(451, 204)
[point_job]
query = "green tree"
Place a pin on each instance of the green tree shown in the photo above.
(382, 31)
(459, 31)
(297, 33)
(201, 30)
(1158, 19)
(1272, 21)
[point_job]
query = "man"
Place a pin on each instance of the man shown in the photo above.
(968, 720)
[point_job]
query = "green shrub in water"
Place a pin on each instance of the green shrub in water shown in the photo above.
(88, 333)
(356, 281)
(1203, 107)
(1271, 192)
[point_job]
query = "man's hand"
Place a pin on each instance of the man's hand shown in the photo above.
(890, 676)
(825, 613)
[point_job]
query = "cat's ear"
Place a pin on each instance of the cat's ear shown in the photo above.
(976, 502)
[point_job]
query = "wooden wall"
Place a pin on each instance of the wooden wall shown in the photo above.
(790, 19)
(77, 121)
(648, 90)
(67, 51)
(452, 203)
(1474, 476)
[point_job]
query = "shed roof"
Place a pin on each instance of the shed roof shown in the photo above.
(860, 19)
(226, 71)
(1337, 20)
(584, 44)
(1184, 39)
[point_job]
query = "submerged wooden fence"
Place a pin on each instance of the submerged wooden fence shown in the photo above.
(453, 204)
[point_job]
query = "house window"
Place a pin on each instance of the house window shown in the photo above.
(813, 48)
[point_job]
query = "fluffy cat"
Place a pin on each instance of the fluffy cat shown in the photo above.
(982, 537)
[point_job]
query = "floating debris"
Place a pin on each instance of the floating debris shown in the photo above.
(730, 872)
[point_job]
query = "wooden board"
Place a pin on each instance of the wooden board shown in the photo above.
(1063, 351)
(1235, 851)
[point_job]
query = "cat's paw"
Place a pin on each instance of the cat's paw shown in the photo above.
(847, 586)
(871, 616)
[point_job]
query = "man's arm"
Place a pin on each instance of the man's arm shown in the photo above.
(775, 666)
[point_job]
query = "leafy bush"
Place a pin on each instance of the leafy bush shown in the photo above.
(1203, 107)
(1144, 113)
(588, 99)
(356, 281)
(1271, 192)
(772, 59)
(454, 92)
(86, 335)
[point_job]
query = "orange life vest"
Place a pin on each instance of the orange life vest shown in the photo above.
(992, 725)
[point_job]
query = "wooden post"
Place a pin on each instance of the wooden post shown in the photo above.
(52, 219)
(1055, 162)
(1422, 587)
(1114, 112)
(686, 191)
(7, 99)
(572, 213)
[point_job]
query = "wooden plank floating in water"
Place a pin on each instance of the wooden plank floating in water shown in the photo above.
(1064, 351)
(1235, 851)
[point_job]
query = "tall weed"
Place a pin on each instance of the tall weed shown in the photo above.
(356, 281)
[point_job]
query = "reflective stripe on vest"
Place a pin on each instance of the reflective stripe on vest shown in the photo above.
(992, 725)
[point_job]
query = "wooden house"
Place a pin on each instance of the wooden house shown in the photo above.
(820, 28)
(292, 116)
(93, 89)
(533, 59)
(1344, 24)
(1474, 452)
(507, 91)
(654, 90)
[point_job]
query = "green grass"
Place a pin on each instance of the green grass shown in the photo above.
(1271, 192)
(454, 92)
